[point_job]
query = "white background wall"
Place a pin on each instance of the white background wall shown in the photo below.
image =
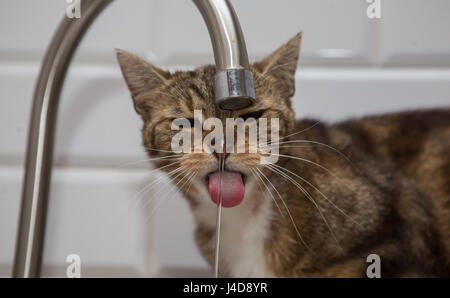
(350, 66)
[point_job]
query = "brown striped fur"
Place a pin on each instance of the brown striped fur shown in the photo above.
(395, 191)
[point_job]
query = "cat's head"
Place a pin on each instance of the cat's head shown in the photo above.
(159, 97)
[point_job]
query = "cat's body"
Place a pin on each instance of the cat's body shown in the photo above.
(393, 199)
(337, 194)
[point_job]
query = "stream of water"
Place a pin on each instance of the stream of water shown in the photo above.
(219, 214)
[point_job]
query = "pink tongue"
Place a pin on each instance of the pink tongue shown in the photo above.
(232, 188)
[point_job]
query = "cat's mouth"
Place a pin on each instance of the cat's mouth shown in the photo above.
(233, 187)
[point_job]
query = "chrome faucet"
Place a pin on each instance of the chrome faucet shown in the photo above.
(234, 81)
(233, 88)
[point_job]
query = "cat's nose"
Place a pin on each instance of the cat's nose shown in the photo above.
(223, 154)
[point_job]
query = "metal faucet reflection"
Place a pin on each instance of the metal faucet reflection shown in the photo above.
(233, 87)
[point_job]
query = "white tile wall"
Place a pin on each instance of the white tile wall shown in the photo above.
(89, 209)
(26, 27)
(334, 32)
(346, 71)
(415, 32)
(326, 24)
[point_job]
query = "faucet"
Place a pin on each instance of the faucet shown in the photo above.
(234, 90)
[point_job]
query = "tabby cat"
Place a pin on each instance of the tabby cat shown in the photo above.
(337, 194)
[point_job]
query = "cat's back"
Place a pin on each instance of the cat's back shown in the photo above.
(417, 145)
(412, 141)
(400, 137)
(411, 146)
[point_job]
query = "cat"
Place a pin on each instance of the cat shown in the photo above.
(337, 194)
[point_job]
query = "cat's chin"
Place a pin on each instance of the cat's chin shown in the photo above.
(227, 187)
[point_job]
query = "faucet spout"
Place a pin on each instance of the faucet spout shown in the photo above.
(234, 88)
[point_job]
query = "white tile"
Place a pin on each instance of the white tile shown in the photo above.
(96, 118)
(10, 190)
(415, 32)
(336, 95)
(334, 31)
(172, 31)
(27, 26)
(174, 252)
(92, 213)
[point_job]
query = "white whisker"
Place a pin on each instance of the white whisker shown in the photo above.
(292, 220)
(159, 150)
(256, 175)
(320, 144)
(318, 190)
(310, 199)
(314, 163)
(299, 132)
(155, 182)
(178, 156)
(174, 187)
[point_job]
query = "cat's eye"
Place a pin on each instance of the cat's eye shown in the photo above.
(255, 115)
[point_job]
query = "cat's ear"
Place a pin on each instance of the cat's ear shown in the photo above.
(282, 64)
(139, 75)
